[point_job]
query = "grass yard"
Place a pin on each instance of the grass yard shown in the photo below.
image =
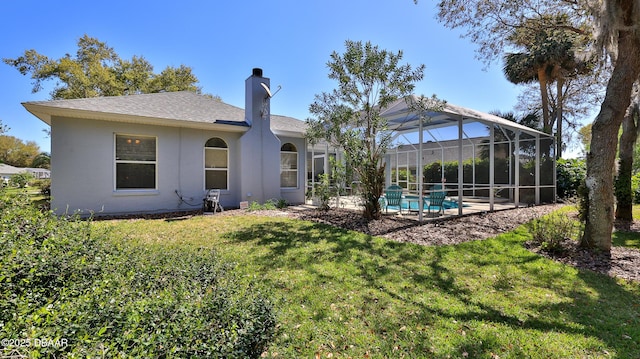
(344, 294)
(628, 239)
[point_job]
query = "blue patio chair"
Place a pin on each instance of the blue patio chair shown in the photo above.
(436, 202)
(438, 188)
(393, 198)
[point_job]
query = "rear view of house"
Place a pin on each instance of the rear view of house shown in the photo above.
(162, 152)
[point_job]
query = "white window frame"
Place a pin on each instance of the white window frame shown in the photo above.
(296, 170)
(116, 161)
(204, 162)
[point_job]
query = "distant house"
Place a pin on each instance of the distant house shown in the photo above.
(39, 173)
(6, 172)
(162, 152)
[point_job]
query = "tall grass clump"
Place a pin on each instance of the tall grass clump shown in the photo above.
(84, 295)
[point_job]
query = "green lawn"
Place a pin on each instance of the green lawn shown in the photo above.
(35, 195)
(344, 294)
(628, 239)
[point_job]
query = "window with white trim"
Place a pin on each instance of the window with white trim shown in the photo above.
(216, 164)
(288, 166)
(136, 161)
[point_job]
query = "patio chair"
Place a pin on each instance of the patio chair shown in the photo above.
(393, 198)
(437, 188)
(211, 203)
(435, 202)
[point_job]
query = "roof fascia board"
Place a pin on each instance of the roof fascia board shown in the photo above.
(288, 133)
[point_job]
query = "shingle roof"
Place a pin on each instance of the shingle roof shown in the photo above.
(183, 105)
(10, 170)
(175, 107)
(287, 124)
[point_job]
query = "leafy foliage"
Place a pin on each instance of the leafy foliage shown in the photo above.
(348, 118)
(635, 188)
(60, 279)
(268, 205)
(3, 128)
(15, 152)
(44, 185)
(97, 70)
(569, 175)
(322, 191)
(550, 232)
(549, 56)
(21, 180)
(490, 24)
(42, 160)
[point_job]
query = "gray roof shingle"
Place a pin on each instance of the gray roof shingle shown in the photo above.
(182, 105)
(175, 106)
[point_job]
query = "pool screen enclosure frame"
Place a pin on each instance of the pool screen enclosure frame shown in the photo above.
(474, 156)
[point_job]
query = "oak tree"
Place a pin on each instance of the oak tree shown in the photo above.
(97, 70)
(615, 23)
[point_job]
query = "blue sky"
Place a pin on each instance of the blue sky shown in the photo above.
(222, 41)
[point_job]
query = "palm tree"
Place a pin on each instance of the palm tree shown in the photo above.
(522, 68)
(549, 57)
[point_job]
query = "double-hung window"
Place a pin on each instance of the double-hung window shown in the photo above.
(288, 166)
(136, 162)
(216, 164)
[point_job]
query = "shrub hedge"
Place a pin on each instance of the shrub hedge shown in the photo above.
(91, 297)
(570, 174)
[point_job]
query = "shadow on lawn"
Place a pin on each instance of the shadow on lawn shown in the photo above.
(429, 269)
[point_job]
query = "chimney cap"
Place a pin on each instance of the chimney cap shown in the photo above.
(257, 71)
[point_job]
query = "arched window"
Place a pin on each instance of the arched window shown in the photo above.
(216, 164)
(288, 166)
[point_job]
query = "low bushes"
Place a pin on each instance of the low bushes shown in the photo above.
(570, 174)
(268, 205)
(92, 297)
(552, 231)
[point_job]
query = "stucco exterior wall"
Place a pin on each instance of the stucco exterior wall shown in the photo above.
(260, 148)
(83, 168)
(296, 195)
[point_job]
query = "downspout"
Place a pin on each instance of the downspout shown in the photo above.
(460, 167)
(420, 173)
(537, 169)
(492, 166)
(516, 195)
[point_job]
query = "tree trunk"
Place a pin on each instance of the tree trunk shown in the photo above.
(544, 96)
(601, 158)
(624, 195)
(559, 119)
(372, 178)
